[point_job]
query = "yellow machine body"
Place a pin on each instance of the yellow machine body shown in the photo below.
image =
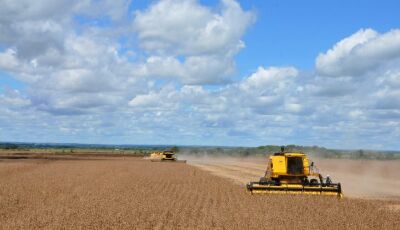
(292, 173)
(280, 163)
(164, 156)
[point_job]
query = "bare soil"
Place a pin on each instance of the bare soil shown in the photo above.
(132, 193)
(371, 179)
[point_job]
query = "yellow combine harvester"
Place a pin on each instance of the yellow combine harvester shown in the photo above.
(165, 156)
(292, 173)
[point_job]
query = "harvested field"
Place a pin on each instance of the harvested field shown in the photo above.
(370, 179)
(132, 193)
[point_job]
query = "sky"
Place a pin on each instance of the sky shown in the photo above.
(201, 72)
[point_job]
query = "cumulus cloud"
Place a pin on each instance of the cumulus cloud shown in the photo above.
(33, 28)
(89, 74)
(195, 70)
(359, 53)
(263, 88)
(165, 99)
(188, 28)
(70, 67)
(12, 98)
(267, 92)
(83, 78)
(8, 60)
(197, 44)
(271, 80)
(67, 67)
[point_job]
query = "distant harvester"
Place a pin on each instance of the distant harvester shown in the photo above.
(165, 156)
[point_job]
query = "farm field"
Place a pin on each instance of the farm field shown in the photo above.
(372, 179)
(132, 193)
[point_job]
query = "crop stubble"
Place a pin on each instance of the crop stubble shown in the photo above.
(371, 179)
(133, 193)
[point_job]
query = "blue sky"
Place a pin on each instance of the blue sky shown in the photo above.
(226, 72)
(295, 32)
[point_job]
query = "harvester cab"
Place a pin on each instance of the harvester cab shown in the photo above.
(293, 173)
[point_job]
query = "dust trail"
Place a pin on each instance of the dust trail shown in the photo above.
(365, 178)
(359, 178)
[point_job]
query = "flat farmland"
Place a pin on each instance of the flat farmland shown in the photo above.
(370, 179)
(132, 193)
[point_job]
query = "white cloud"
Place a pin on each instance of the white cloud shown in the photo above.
(363, 51)
(81, 79)
(145, 100)
(13, 99)
(76, 67)
(293, 107)
(165, 99)
(207, 41)
(269, 80)
(356, 114)
(331, 87)
(193, 70)
(388, 99)
(115, 9)
(268, 90)
(390, 78)
(8, 61)
(190, 29)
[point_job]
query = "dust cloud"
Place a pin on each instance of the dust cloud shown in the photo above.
(370, 179)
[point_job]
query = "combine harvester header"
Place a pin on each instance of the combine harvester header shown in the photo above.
(292, 173)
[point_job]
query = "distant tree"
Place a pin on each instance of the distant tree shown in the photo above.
(9, 146)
